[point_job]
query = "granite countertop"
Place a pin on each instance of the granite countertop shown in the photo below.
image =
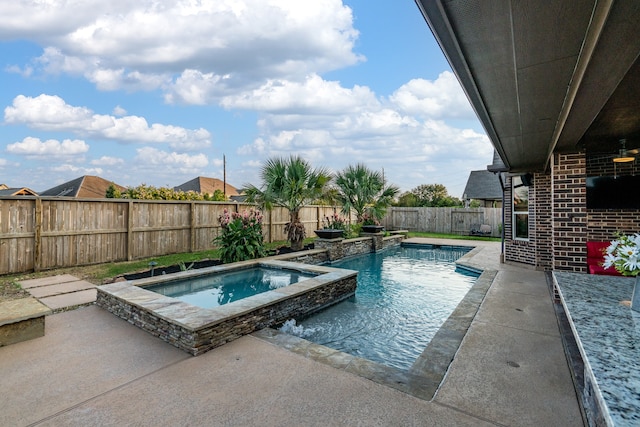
(609, 334)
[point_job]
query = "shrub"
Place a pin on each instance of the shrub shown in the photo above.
(149, 192)
(334, 222)
(369, 219)
(241, 237)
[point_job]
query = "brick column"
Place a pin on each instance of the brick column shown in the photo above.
(569, 212)
(543, 221)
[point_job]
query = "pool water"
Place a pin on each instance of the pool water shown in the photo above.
(404, 295)
(222, 288)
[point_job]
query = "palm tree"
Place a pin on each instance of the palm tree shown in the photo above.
(290, 183)
(363, 191)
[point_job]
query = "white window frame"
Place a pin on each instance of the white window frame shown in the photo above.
(519, 189)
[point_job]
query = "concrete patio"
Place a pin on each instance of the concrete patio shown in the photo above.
(92, 368)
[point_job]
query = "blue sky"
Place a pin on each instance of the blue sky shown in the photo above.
(157, 92)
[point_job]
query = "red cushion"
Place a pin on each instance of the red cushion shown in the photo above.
(597, 249)
(595, 258)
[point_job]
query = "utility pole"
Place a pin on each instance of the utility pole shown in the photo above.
(224, 176)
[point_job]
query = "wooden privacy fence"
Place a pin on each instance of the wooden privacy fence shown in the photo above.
(45, 233)
(443, 220)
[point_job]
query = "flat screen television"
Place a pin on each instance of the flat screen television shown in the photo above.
(610, 192)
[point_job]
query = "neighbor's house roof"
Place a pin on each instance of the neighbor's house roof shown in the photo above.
(483, 185)
(21, 191)
(86, 186)
(206, 185)
(559, 76)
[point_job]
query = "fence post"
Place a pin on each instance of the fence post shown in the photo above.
(192, 243)
(270, 225)
(130, 230)
(37, 244)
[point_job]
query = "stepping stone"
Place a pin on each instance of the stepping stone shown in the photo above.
(67, 300)
(62, 288)
(46, 281)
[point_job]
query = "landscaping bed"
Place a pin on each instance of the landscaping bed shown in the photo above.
(199, 264)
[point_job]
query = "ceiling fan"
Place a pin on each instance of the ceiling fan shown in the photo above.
(625, 155)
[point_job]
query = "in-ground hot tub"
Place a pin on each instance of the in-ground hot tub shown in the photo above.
(197, 330)
(213, 290)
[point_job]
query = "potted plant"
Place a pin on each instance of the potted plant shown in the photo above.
(624, 255)
(332, 227)
(370, 224)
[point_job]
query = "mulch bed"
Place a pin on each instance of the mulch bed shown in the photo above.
(172, 269)
(201, 264)
(287, 250)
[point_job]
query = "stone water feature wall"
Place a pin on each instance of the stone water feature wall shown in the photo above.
(367, 243)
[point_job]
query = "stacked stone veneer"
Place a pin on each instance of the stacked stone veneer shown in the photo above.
(559, 222)
(313, 256)
(197, 330)
(367, 243)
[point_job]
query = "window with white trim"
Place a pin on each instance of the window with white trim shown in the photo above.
(520, 211)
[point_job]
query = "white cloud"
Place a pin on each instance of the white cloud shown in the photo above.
(24, 72)
(439, 99)
(239, 43)
(34, 147)
(312, 95)
(119, 111)
(107, 161)
(46, 112)
(196, 88)
(77, 170)
(184, 162)
(253, 164)
(217, 162)
(406, 134)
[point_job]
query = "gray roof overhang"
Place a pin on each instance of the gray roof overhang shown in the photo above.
(545, 77)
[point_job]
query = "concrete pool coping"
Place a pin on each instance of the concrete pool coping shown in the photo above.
(92, 368)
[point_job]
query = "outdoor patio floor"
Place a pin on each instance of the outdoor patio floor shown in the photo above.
(92, 368)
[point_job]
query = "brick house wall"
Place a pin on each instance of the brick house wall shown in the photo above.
(519, 251)
(603, 224)
(559, 222)
(537, 250)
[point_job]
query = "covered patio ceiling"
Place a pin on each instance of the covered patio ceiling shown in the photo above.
(545, 77)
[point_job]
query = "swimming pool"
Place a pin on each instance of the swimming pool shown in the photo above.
(214, 290)
(404, 296)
